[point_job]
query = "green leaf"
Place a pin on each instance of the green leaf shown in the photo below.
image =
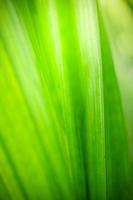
(62, 132)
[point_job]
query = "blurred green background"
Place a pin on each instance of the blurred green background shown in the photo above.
(119, 21)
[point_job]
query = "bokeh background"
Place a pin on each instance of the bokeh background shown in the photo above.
(119, 21)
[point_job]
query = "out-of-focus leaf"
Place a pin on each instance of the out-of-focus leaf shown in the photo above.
(62, 133)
